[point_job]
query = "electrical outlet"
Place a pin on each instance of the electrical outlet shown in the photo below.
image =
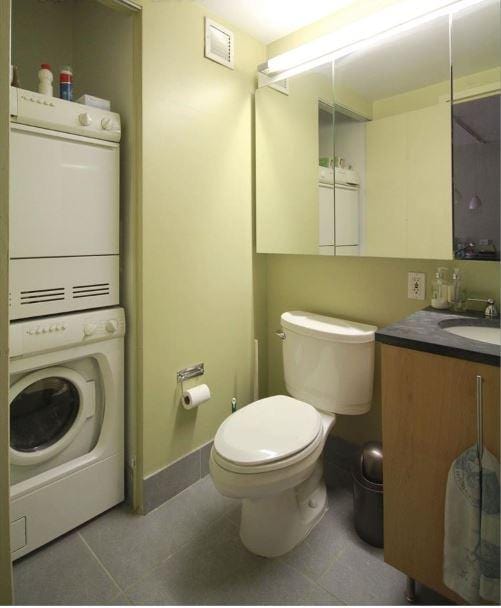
(416, 285)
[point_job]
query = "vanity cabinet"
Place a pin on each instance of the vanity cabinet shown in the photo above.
(429, 418)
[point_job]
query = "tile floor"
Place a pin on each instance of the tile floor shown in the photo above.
(188, 552)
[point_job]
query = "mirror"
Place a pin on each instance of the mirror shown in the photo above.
(382, 185)
(294, 129)
(476, 111)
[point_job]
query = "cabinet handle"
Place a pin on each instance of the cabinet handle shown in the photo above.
(480, 418)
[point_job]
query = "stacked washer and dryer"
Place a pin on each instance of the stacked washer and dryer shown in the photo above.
(67, 331)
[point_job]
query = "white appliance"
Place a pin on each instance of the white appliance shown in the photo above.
(66, 423)
(338, 220)
(269, 453)
(64, 206)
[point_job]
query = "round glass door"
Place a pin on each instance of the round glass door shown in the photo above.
(42, 413)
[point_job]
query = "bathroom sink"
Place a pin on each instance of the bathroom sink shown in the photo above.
(485, 332)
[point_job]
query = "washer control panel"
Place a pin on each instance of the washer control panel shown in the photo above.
(37, 110)
(64, 331)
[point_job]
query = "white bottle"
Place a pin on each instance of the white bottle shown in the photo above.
(45, 79)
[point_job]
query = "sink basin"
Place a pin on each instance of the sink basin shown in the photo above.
(492, 335)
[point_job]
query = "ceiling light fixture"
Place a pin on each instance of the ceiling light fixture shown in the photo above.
(361, 34)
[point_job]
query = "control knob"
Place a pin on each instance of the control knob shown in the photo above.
(107, 124)
(111, 326)
(85, 119)
(89, 329)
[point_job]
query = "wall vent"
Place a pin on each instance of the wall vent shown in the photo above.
(219, 43)
(90, 291)
(282, 86)
(35, 296)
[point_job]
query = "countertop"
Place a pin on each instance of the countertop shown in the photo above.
(421, 331)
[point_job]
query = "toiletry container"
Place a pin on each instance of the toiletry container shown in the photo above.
(440, 289)
(66, 83)
(45, 79)
(456, 293)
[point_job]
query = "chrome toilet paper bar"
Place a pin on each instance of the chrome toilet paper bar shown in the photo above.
(190, 372)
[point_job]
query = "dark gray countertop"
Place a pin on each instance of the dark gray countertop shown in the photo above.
(422, 331)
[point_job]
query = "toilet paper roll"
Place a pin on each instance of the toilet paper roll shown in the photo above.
(193, 397)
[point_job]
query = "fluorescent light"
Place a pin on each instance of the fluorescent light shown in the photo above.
(384, 24)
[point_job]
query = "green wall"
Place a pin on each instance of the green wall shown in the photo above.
(197, 267)
(370, 290)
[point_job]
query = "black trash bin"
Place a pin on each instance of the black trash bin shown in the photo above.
(368, 493)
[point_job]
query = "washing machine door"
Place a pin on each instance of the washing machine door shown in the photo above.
(47, 410)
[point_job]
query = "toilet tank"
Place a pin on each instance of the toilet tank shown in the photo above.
(328, 362)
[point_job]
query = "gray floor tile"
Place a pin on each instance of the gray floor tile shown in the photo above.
(197, 571)
(120, 600)
(270, 582)
(131, 545)
(64, 572)
(207, 502)
(325, 542)
(359, 576)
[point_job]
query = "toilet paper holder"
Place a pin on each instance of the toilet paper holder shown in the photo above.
(190, 372)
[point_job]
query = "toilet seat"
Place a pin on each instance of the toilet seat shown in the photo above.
(268, 434)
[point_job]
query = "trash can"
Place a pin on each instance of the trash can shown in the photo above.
(368, 493)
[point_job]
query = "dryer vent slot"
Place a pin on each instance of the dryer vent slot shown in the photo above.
(35, 296)
(91, 291)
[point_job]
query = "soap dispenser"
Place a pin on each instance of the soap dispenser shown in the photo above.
(440, 289)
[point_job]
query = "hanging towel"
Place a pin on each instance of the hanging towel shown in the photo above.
(471, 540)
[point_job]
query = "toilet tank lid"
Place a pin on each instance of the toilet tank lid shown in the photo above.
(328, 328)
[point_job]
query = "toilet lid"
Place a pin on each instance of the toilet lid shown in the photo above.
(268, 430)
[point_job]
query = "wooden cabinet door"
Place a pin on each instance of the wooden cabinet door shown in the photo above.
(429, 418)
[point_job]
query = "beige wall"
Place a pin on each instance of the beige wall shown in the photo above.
(360, 289)
(5, 567)
(287, 141)
(197, 266)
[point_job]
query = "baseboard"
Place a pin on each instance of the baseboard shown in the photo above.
(164, 484)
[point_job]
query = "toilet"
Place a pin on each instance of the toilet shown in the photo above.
(269, 453)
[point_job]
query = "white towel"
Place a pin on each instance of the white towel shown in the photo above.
(471, 541)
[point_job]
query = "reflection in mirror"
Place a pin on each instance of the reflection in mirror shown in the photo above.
(392, 147)
(294, 134)
(383, 187)
(476, 57)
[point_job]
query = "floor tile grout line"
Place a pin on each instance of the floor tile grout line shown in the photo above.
(163, 561)
(107, 572)
(313, 581)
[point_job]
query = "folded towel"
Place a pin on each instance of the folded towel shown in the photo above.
(471, 541)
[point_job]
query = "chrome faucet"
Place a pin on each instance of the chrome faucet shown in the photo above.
(490, 312)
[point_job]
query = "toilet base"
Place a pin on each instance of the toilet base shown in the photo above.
(274, 525)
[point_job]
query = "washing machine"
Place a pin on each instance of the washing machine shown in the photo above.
(66, 423)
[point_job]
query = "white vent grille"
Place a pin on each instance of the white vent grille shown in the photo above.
(219, 43)
(90, 291)
(35, 296)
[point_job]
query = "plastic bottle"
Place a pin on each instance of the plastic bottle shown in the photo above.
(45, 79)
(66, 83)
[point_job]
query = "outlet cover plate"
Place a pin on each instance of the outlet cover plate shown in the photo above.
(416, 285)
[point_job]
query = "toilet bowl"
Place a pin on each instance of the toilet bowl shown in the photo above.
(269, 453)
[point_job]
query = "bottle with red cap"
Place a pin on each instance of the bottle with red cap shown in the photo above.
(66, 83)
(45, 79)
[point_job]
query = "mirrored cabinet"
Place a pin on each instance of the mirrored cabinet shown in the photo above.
(476, 112)
(388, 151)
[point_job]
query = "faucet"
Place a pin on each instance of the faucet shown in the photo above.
(490, 312)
